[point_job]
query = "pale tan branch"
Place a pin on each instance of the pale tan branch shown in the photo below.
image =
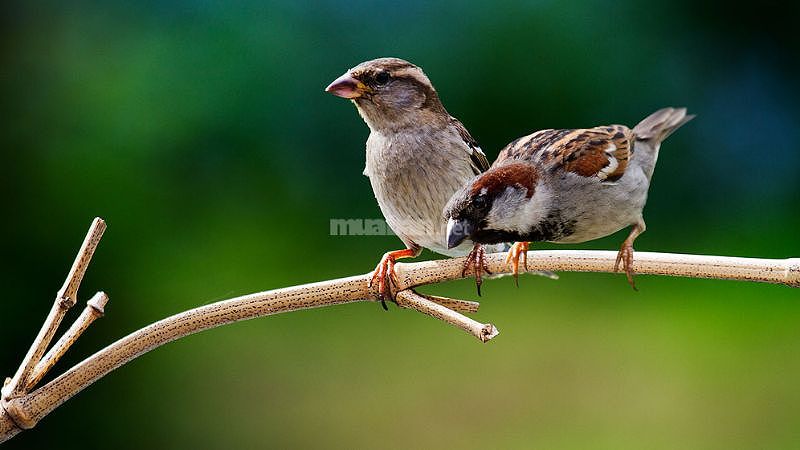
(69, 291)
(24, 411)
(412, 300)
(95, 308)
(778, 271)
(8, 428)
(30, 408)
(65, 299)
(462, 306)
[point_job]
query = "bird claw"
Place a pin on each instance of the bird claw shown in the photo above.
(477, 261)
(512, 259)
(385, 278)
(625, 256)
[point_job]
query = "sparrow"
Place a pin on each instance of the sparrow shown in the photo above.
(417, 157)
(564, 186)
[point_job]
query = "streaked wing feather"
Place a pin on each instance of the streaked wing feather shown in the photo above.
(477, 157)
(602, 151)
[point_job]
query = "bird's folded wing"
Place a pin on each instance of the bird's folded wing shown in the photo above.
(601, 152)
(477, 158)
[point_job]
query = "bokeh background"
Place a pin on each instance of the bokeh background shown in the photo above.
(200, 131)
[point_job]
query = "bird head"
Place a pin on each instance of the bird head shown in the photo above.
(496, 206)
(389, 93)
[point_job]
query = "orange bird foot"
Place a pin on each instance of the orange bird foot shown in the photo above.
(512, 258)
(384, 277)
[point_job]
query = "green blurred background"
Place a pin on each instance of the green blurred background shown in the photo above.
(200, 131)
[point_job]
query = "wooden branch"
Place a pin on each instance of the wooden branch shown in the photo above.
(412, 300)
(29, 409)
(25, 409)
(95, 308)
(65, 299)
(777, 271)
(462, 306)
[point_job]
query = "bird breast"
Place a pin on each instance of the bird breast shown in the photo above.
(413, 175)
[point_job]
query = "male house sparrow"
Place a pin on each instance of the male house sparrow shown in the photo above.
(418, 156)
(564, 186)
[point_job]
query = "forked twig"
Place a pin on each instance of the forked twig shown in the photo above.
(65, 299)
(95, 308)
(410, 299)
(22, 409)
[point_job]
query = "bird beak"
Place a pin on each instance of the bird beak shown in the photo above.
(457, 231)
(347, 87)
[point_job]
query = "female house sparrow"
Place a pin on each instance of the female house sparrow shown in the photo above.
(418, 155)
(564, 186)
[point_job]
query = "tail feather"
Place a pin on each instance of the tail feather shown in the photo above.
(659, 125)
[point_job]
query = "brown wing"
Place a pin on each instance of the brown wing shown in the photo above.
(477, 157)
(530, 146)
(601, 152)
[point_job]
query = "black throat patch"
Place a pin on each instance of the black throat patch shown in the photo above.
(552, 228)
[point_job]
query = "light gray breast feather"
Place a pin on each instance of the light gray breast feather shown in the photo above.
(413, 176)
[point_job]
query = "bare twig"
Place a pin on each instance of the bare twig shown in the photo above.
(25, 410)
(412, 300)
(65, 299)
(8, 428)
(30, 408)
(778, 271)
(69, 291)
(94, 310)
(462, 306)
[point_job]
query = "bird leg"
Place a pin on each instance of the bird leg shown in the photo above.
(477, 261)
(384, 273)
(512, 258)
(625, 255)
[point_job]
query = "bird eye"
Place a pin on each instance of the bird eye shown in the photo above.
(479, 201)
(382, 78)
